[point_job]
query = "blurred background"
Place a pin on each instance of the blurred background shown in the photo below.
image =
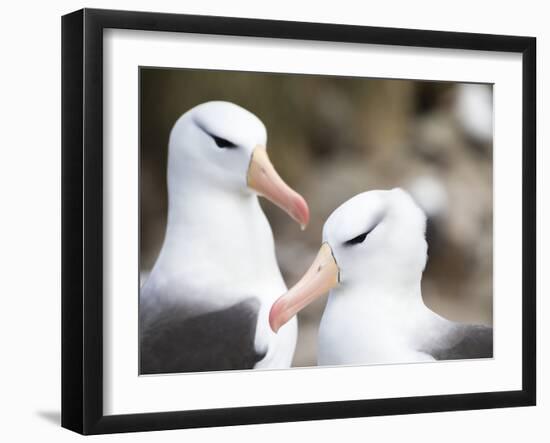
(333, 137)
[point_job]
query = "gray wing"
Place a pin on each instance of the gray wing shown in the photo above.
(215, 341)
(463, 341)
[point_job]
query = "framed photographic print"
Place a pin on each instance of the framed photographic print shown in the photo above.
(269, 221)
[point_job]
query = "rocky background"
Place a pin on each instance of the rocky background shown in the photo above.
(333, 137)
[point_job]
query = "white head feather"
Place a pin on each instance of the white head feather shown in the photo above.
(195, 156)
(393, 251)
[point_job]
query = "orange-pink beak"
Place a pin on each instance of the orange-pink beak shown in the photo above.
(322, 275)
(263, 178)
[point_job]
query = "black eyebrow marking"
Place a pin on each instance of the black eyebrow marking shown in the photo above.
(361, 237)
(356, 240)
(220, 142)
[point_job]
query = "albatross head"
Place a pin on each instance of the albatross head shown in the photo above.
(224, 146)
(375, 240)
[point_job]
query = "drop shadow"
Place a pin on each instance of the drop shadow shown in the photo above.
(54, 417)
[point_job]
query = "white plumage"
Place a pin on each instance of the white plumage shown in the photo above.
(372, 259)
(217, 274)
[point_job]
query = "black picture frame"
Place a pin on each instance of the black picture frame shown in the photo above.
(82, 220)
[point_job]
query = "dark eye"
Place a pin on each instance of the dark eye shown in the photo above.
(359, 239)
(223, 143)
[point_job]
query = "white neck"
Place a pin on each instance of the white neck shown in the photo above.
(370, 296)
(367, 302)
(218, 239)
(377, 324)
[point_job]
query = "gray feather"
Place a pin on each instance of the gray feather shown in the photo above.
(174, 342)
(463, 341)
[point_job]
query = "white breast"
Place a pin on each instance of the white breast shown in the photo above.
(354, 331)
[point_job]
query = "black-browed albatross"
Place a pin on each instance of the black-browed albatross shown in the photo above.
(205, 304)
(372, 258)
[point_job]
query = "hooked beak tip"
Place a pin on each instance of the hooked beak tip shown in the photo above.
(301, 211)
(274, 324)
